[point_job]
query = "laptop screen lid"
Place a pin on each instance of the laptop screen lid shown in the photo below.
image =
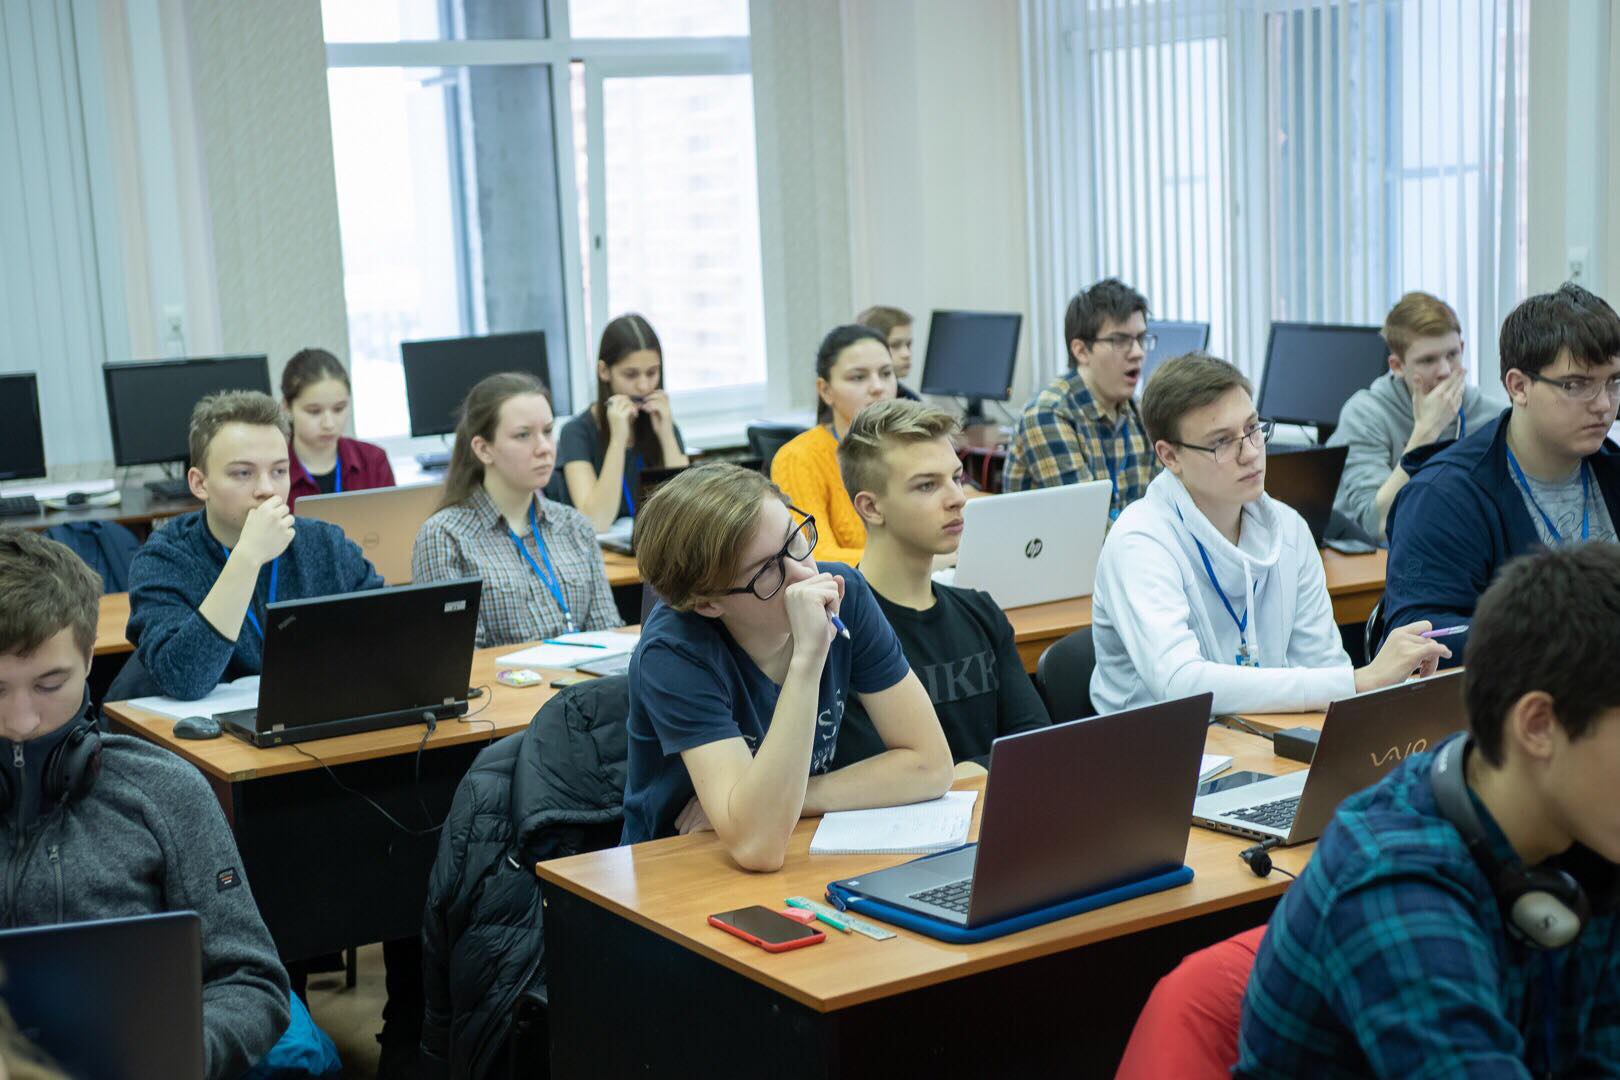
(363, 654)
(1033, 547)
(1365, 736)
(1078, 807)
(1307, 480)
(114, 998)
(383, 521)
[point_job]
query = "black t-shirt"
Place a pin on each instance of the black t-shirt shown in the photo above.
(326, 482)
(963, 651)
(581, 440)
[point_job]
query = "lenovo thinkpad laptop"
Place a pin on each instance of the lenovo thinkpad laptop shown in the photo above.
(1032, 547)
(619, 537)
(115, 999)
(336, 665)
(1069, 810)
(1363, 737)
(1306, 479)
(383, 521)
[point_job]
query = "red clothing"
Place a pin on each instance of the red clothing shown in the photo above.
(1189, 1027)
(362, 466)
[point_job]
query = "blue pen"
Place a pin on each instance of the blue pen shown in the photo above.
(838, 624)
(572, 644)
(1447, 632)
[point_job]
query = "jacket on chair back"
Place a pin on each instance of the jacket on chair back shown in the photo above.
(555, 789)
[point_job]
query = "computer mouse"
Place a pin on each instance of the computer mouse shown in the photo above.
(76, 498)
(197, 727)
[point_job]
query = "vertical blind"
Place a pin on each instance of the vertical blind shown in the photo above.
(1248, 160)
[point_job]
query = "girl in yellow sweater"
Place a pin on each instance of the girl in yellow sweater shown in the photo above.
(853, 369)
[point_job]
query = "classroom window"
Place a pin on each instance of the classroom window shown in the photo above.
(657, 18)
(432, 20)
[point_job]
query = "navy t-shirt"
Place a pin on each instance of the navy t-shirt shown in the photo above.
(691, 684)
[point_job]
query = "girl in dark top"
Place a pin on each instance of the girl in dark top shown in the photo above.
(315, 393)
(630, 427)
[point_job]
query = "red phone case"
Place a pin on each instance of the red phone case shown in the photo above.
(774, 947)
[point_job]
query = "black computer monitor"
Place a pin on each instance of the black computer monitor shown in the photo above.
(971, 354)
(22, 436)
(439, 373)
(1174, 339)
(1313, 368)
(149, 402)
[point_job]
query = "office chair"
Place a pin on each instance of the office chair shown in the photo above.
(1063, 676)
(766, 438)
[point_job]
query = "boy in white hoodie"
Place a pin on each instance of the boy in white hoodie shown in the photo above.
(1208, 584)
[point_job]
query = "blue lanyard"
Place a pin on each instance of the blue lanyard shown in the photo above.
(1243, 659)
(1552, 530)
(629, 500)
(1462, 424)
(1113, 477)
(548, 576)
(275, 570)
(337, 477)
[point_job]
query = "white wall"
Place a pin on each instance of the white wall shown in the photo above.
(936, 149)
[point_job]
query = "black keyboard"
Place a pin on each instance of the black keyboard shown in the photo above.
(18, 506)
(953, 897)
(170, 487)
(1278, 814)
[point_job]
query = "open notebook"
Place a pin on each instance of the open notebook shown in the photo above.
(937, 825)
(226, 697)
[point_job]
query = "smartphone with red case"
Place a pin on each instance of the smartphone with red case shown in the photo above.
(773, 932)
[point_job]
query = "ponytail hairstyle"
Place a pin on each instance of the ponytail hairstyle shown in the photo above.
(308, 367)
(625, 335)
(837, 340)
(478, 417)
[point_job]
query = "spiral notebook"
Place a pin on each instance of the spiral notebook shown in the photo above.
(919, 828)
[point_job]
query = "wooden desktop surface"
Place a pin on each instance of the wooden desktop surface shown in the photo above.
(1355, 583)
(621, 569)
(110, 624)
(671, 887)
(503, 710)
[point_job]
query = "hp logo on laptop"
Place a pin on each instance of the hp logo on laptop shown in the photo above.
(1033, 548)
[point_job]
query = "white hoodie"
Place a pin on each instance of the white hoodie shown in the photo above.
(1161, 631)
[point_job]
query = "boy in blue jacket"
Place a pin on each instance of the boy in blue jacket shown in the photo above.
(199, 587)
(1540, 474)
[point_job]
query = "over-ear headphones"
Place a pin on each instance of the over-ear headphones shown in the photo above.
(71, 768)
(1543, 906)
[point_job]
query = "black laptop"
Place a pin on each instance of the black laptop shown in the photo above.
(1071, 809)
(1308, 480)
(336, 665)
(114, 999)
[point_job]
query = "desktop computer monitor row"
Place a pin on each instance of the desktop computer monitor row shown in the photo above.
(149, 403)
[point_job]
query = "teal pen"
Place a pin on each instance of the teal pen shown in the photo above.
(828, 919)
(572, 644)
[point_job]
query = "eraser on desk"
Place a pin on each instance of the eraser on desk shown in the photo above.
(520, 677)
(798, 915)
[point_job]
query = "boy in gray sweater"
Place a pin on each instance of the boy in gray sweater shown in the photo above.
(97, 826)
(1424, 398)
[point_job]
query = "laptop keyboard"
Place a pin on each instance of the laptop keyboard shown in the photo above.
(1278, 814)
(953, 897)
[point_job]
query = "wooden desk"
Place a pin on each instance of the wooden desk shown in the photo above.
(327, 870)
(138, 510)
(621, 569)
(1271, 723)
(626, 935)
(110, 624)
(1355, 583)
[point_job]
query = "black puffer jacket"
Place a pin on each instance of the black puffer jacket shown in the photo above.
(554, 790)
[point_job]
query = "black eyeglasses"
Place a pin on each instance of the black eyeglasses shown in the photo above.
(1224, 450)
(1123, 342)
(767, 580)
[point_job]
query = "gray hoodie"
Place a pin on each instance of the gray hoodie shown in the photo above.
(148, 837)
(1375, 424)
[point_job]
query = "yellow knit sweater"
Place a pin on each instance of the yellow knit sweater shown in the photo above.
(806, 470)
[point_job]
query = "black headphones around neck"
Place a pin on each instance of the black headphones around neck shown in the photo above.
(1542, 906)
(71, 768)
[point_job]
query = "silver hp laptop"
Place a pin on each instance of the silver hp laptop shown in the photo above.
(1032, 547)
(1068, 810)
(1363, 737)
(119, 999)
(383, 521)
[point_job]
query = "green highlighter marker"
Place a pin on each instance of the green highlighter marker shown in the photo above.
(794, 901)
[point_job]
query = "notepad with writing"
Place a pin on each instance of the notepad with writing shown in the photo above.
(571, 650)
(919, 828)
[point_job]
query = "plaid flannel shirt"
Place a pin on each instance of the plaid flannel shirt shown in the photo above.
(1064, 438)
(472, 540)
(1389, 957)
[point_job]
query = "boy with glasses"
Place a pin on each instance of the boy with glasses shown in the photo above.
(1540, 474)
(1085, 425)
(743, 673)
(1208, 584)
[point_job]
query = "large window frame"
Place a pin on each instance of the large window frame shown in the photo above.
(603, 58)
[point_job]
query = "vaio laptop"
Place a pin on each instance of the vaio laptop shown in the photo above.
(1032, 547)
(1068, 810)
(360, 661)
(1306, 479)
(383, 521)
(115, 999)
(1363, 737)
